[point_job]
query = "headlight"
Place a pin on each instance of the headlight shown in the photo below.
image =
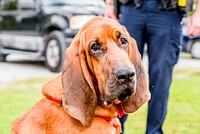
(76, 22)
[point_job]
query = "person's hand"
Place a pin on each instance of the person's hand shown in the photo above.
(193, 27)
(109, 11)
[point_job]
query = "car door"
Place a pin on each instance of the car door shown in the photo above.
(8, 24)
(27, 17)
(19, 25)
(27, 21)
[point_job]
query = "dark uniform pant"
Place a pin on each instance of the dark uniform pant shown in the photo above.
(161, 31)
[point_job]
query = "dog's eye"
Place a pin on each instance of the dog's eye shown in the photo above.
(118, 34)
(95, 47)
(123, 42)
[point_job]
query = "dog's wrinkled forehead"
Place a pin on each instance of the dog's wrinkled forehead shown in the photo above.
(100, 21)
(102, 27)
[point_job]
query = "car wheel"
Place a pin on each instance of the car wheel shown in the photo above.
(2, 58)
(55, 49)
(195, 49)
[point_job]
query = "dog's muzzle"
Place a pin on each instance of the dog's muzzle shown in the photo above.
(125, 78)
(125, 75)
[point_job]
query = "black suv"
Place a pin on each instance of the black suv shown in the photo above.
(43, 28)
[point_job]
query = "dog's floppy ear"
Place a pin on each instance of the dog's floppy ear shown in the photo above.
(142, 91)
(79, 97)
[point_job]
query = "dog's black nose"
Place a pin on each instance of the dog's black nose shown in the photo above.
(125, 74)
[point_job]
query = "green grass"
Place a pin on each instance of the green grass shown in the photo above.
(16, 99)
(185, 55)
(183, 115)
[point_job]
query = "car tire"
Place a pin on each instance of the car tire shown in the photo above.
(195, 49)
(54, 52)
(2, 58)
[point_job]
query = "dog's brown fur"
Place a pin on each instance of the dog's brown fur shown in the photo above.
(85, 83)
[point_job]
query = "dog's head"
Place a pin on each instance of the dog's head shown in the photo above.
(102, 65)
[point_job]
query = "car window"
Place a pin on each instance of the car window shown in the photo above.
(9, 5)
(27, 4)
(71, 2)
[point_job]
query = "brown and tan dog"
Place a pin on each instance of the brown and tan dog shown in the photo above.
(102, 76)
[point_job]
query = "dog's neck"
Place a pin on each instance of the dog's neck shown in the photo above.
(108, 114)
(53, 90)
(112, 112)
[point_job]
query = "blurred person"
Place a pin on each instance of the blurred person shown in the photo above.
(193, 27)
(157, 24)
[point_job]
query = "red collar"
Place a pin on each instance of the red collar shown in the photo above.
(108, 119)
(55, 100)
(120, 111)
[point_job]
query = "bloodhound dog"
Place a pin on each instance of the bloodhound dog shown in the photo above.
(102, 78)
